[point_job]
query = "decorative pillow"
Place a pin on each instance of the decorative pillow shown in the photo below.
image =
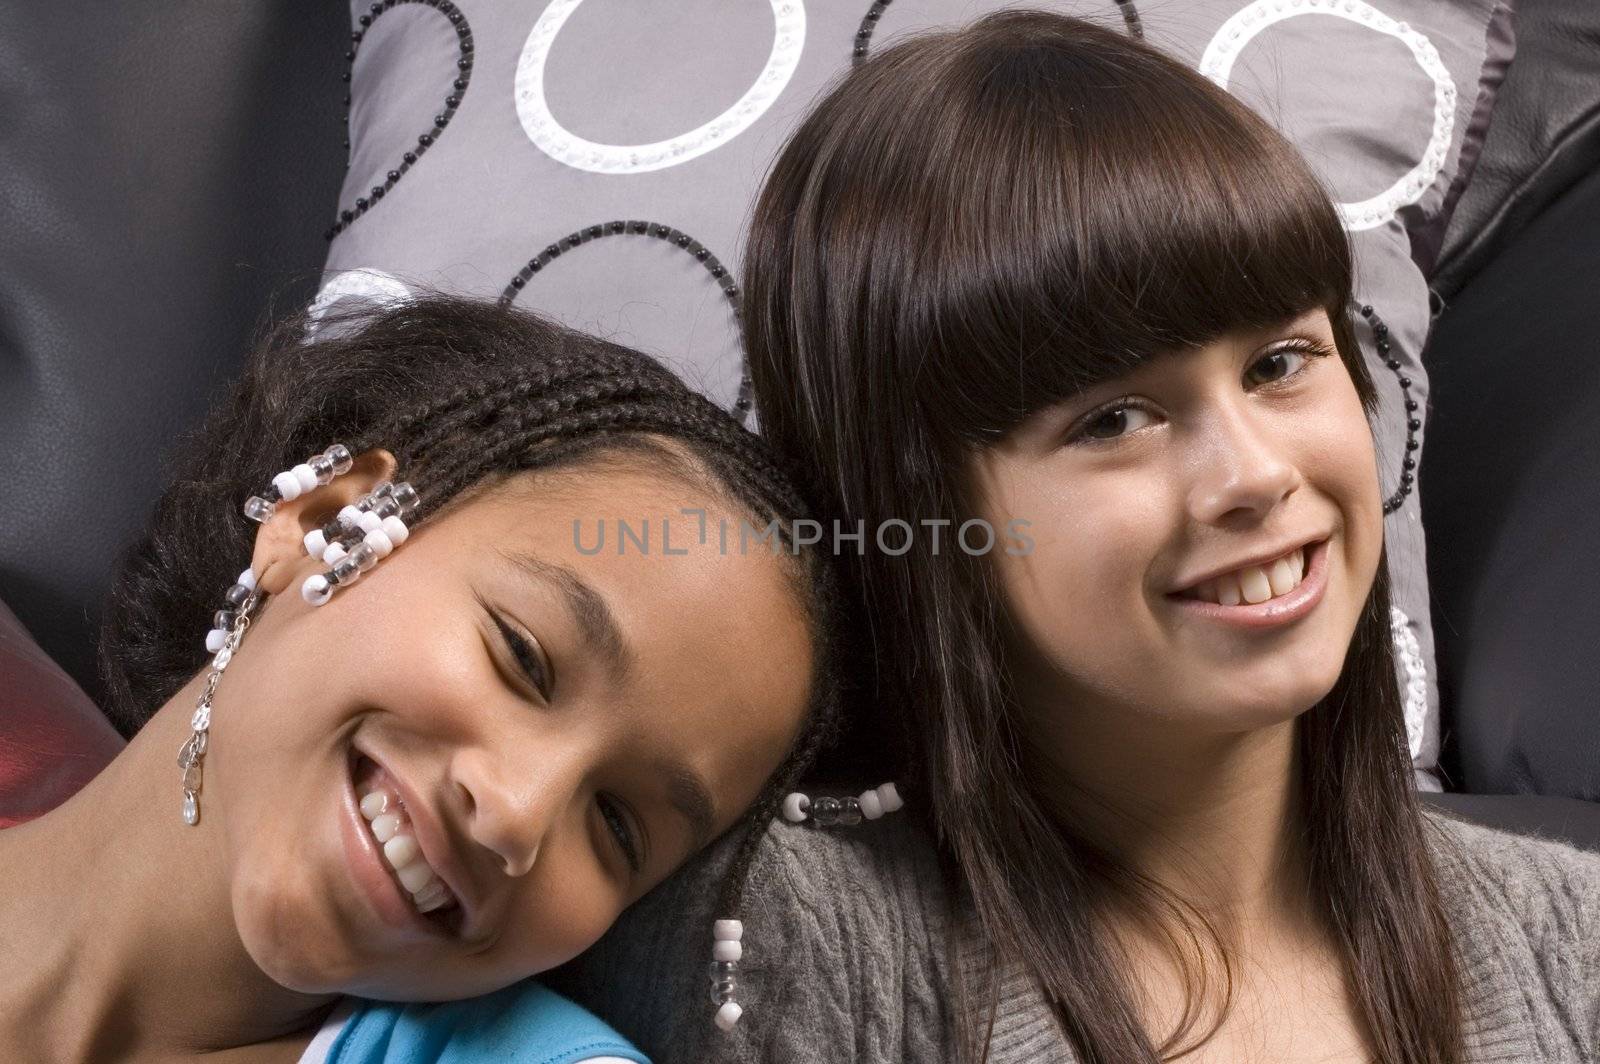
(596, 161)
(53, 739)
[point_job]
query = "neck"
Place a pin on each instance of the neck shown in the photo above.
(1214, 817)
(113, 896)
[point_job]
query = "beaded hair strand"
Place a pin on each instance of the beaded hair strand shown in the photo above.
(461, 392)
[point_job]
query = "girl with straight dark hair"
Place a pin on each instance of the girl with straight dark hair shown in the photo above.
(1033, 270)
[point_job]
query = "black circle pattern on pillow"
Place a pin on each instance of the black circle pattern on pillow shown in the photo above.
(869, 22)
(458, 89)
(676, 237)
(1408, 465)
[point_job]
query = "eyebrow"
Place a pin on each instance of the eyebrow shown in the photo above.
(586, 605)
(691, 798)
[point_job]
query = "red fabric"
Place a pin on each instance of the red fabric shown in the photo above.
(53, 739)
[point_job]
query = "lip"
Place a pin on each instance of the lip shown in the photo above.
(1259, 560)
(431, 841)
(1275, 611)
(373, 880)
(392, 904)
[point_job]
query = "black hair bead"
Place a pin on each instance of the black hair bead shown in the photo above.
(425, 140)
(702, 254)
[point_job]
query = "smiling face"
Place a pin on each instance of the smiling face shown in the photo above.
(562, 727)
(1151, 497)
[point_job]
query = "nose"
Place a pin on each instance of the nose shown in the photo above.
(1246, 465)
(511, 802)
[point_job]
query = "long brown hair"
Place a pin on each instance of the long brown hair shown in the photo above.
(975, 225)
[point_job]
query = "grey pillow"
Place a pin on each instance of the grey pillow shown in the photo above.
(597, 163)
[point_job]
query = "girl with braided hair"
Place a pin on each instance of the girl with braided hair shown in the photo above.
(454, 776)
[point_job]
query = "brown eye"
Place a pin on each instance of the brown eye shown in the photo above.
(1114, 421)
(621, 831)
(1284, 362)
(529, 661)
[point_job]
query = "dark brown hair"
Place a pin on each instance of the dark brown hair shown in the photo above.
(463, 392)
(975, 225)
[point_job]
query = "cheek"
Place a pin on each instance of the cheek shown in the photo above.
(1082, 586)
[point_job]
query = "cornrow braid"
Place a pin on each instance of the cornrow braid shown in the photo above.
(460, 392)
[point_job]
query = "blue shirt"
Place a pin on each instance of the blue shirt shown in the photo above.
(526, 1023)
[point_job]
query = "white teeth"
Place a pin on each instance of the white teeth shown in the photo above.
(384, 826)
(414, 876)
(1255, 583)
(400, 850)
(428, 902)
(1281, 577)
(434, 893)
(374, 804)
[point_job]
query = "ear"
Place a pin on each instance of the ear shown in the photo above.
(280, 541)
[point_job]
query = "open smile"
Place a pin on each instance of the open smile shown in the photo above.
(400, 886)
(1262, 596)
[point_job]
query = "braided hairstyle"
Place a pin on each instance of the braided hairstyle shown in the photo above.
(462, 392)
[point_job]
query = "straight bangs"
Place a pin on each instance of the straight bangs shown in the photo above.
(1078, 211)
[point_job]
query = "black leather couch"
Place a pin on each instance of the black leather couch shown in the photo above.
(167, 170)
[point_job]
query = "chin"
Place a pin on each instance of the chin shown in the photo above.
(291, 946)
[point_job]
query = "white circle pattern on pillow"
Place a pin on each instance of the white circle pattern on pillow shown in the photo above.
(1230, 39)
(1409, 652)
(564, 146)
(382, 289)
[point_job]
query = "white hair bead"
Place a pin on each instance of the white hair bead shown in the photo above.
(349, 516)
(305, 475)
(871, 805)
(214, 640)
(727, 951)
(334, 552)
(890, 797)
(368, 521)
(316, 590)
(728, 1015)
(727, 930)
(248, 579)
(379, 542)
(315, 542)
(795, 807)
(396, 530)
(288, 486)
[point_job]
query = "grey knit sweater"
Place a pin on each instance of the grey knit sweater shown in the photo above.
(847, 941)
